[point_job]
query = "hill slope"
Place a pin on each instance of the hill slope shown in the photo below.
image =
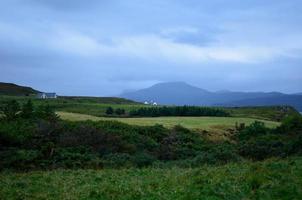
(179, 93)
(16, 90)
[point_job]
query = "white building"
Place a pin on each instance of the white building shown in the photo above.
(47, 95)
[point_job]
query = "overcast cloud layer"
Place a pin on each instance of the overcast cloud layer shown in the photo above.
(103, 47)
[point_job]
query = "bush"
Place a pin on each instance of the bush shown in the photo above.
(120, 111)
(109, 111)
(75, 157)
(263, 147)
(291, 125)
(10, 110)
(255, 129)
(16, 133)
(117, 160)
(218, 154)
(143, 160)
(20, 159)
(181, 143)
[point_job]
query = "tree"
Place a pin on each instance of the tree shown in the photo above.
(11, 109)
(27, 110)
(109, 111)
(46, 112)
(120, 111)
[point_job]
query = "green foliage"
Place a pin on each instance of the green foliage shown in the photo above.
(255, 129)
(109, 111)
(19, 159)
(16, 133)
(273, 179)
(178, 111)
(291, 124)
(262, 147)
(46, 112)
(120, 111)
(10, 110)
(218, 155)
(27, 110)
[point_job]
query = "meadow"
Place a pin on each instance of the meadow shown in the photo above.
(204, 123)
(96, 106)
(272, 179)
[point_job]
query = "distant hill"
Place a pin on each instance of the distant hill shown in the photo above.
(102, 100)
(180, 93)
(16, 90)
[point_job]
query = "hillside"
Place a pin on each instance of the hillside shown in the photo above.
(16, 90)
(180, 93)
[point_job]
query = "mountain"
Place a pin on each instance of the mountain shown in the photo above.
(16, 90)
(180, 93)
(177, 93)
(292, 100)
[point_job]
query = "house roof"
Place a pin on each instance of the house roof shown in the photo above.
(49, 95)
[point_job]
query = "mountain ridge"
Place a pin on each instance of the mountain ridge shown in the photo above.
(181, 93)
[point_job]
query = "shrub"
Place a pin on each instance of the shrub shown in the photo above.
(10, 110)
(179, 144)
(291, 125)
(20, 159)
(143, 159)
(27, 110)
(16, 133)
(263, 147)
(120, 111)
(117, 160)
(109, 111)
(75, 157)
(218, 154)
(255, 129)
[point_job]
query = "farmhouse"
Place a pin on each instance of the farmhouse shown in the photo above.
(44, 95)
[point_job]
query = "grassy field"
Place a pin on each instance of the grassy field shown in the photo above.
(204, 123)
(97, 106)
(262, 180)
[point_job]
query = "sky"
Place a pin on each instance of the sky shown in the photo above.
(105, 47)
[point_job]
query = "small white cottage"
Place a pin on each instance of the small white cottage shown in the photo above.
(45, 95)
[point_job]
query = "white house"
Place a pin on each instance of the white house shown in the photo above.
(45, 95)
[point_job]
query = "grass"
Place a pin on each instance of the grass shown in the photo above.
(204, 123)
(97, 106)
(263, 180)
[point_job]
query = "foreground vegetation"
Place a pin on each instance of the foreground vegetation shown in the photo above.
(273, 179)
(34, 138)
(45, 157)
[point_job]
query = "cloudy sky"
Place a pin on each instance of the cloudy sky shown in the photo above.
(104, 47)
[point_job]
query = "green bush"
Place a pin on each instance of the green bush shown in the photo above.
(220, 154)
(263, 147)
(16, 133)
(255, 129)
(20, 159)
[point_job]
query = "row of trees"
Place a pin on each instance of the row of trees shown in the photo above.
(12, 110)
(178, 111)
(118, 111)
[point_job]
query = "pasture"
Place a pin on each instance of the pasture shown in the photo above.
(204, 123)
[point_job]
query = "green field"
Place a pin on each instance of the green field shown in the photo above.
(204, 123)
(261, 180)
(97, 106)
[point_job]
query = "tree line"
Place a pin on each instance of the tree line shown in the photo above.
(178, 111)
